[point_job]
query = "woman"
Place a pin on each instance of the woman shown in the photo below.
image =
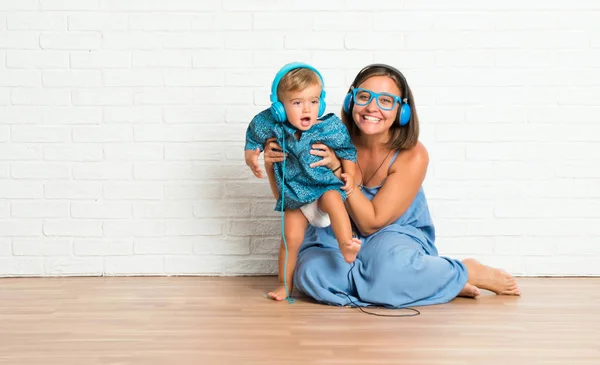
(398, 264)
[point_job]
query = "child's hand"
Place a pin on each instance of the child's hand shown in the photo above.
(348, 180)
(251, 157)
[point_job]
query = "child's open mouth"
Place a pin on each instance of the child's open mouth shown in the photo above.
(305, 122)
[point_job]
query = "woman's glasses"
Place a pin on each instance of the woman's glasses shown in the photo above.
(385, 101)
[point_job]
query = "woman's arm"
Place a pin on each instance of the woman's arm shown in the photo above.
(395, 196)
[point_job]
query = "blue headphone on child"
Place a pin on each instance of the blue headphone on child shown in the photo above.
(404, 113)
(277, 108)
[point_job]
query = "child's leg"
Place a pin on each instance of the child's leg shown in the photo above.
(295, 225)
(331, 203)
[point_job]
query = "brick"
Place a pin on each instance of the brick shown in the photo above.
(37, 59)
(97, 21)
(222, 208)
(39, 170)
(39, 209)
(199, 78)
(73, 152)
(4, 210)
(257, 40)
(160, 22)
(193, 227)
(102, 247)
(163, 209)
(222, 246)
(279, 21)
(216, 21)
(103, 133)
(36, 21)
(21, 189)
(160, 6)
(69, 4)
(22, 40)
(72, 190)
(19, 152)
(132, 114)
(130, 190)
(19, 5)
(164, 246)
(100, 59)
(76, 266)
(133, 265)
(101, 210)
(39, 96)
(162, 59)
(46, 246)
(192, 151)
(224, 265)
(18, 115)
(39, 134)
(133, 228)
(21, 266)
(196, 190)
(138, 77)
(104, 96)
(57, 115)
(73, 228)
(133, 151)
(70, 41)
(5, 248)
(316, 40)
(73, 78)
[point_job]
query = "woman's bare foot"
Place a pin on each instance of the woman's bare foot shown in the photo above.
(350, 249)
(469, 291)
(278, 294)
(489, 278)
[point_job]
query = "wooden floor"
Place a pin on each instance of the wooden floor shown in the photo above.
(201, 320)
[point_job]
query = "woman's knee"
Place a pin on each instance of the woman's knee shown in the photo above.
(321, 267)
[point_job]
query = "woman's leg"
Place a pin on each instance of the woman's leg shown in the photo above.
(492, 279)
(395, 271)
(322, 273)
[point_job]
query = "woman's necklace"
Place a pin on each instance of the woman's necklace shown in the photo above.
(365, 182)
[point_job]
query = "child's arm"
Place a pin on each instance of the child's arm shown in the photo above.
(349, 169)
(251, 157)
(257, 133)
(271, 176)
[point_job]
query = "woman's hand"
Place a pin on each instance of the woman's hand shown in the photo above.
(273, 152)
(329, 159)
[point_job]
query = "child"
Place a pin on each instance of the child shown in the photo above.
(311, 195)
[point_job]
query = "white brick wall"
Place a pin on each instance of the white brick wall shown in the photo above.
(122, 125)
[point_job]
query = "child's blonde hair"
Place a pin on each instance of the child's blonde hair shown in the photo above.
(296, 80)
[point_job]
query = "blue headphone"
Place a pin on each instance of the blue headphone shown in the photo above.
(404, 113)
(277, 108)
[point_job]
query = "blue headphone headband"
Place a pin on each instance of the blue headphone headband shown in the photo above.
(277, 108)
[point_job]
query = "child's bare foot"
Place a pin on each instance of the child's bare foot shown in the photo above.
(278, 294)
(350, 249)
(469, 291)
(489, 278)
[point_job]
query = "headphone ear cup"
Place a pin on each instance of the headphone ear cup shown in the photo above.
(278, 112)
(404, 115)
(347, 102)
(322, 106)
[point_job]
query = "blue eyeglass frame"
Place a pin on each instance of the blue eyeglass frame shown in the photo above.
(375, 95)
